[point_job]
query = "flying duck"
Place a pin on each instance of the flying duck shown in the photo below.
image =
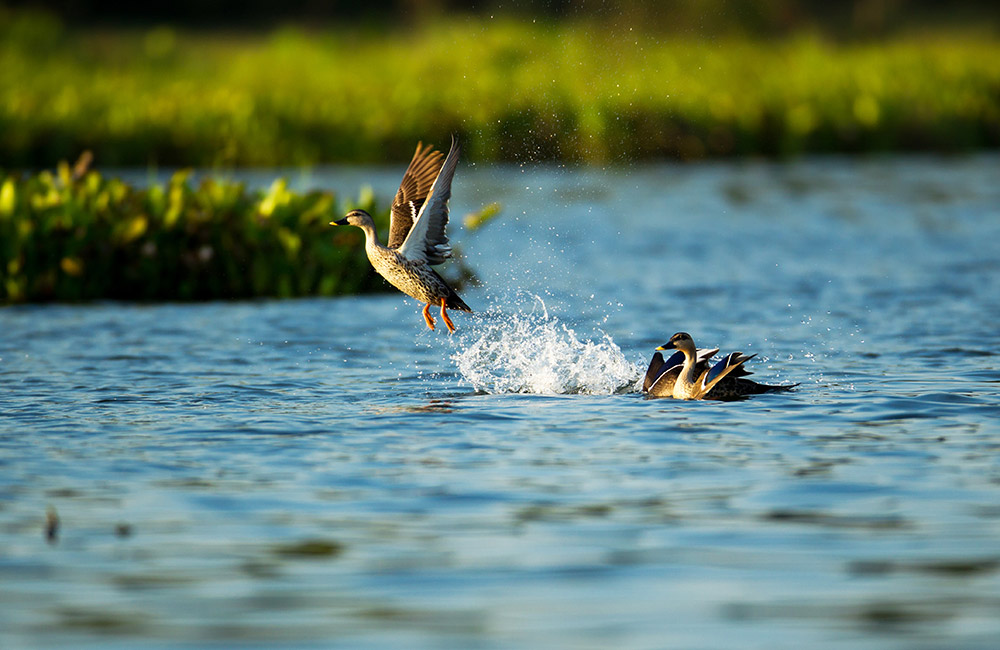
(417, 238)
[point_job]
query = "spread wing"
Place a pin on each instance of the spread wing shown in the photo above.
(704, 354)
(730, 365)
(413, 191)
(658, 368)
(427, 240)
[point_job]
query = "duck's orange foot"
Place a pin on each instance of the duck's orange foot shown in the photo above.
(427, 316)
(444, 315)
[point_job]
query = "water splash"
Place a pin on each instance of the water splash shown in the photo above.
(532, 352)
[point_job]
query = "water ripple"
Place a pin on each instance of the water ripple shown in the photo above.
(329, 473)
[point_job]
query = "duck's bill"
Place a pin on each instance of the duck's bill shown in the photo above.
(342, 222)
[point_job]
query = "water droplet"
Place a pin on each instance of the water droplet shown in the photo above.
(532, 352)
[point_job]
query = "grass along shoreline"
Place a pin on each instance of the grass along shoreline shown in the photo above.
(515, 90)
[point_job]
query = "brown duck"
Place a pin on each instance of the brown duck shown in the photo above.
(417, 237)
(687, 375)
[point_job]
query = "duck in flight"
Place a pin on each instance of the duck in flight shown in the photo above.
(417, 237)
(687, 375)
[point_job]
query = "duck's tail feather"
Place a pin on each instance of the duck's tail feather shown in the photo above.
(454, 302)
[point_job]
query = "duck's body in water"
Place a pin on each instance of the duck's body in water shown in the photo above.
(687, 375)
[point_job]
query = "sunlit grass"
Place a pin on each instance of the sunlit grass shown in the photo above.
(517, 90)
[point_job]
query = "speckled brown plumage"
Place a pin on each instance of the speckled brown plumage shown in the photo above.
(415, 279)
(417, 237)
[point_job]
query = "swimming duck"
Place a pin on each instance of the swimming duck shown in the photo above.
(417, 238)
(686, 374)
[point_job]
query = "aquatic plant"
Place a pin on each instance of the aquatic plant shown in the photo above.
(76, 235)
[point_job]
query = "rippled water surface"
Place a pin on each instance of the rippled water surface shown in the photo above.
(329, 473)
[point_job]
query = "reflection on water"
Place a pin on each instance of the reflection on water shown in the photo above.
(324, 473)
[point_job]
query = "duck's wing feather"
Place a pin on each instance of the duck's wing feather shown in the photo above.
(702, 355)
(427, 240)
(413, 191)
(653, 371)
(657, 368)
(664, 384)
(701, 360)
(728, 365)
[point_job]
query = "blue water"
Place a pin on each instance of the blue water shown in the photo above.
(331, 474)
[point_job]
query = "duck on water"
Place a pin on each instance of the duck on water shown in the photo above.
(687, 375)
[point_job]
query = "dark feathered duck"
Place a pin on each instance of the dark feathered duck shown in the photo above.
(687, 374)
(417, 237)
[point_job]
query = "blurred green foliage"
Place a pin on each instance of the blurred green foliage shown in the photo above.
(77, 235)
(517, 89)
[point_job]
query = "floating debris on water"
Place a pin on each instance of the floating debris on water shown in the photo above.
(51, 525)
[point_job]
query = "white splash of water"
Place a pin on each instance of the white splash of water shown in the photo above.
(534, 353)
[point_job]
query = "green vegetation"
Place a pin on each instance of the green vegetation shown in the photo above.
(517, 90)
(76, 235)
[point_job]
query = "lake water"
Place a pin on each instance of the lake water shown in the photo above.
(331, 474)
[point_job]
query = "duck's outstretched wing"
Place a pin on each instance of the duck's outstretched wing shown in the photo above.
(730, 364)
(704, 354)
(666, 371)
(412, 193)
(427, 240)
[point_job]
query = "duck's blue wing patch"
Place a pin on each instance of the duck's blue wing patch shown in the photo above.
(676, 359)
(657, 368)
(720, 368)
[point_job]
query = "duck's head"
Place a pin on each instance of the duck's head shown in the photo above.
(679, 341)
(353, 218)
